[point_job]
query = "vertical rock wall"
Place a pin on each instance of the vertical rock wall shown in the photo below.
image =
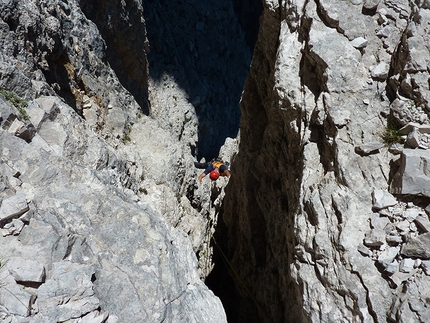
(199, 47)
(326, 80)
(97, 198)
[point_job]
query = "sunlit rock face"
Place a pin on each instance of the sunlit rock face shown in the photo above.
(306, 223)
(325, 217)
(101, 216)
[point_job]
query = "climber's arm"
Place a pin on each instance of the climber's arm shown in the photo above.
(201, 177)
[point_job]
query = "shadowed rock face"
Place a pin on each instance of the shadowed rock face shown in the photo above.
(123, 30)
(299, 225)
(202, 46)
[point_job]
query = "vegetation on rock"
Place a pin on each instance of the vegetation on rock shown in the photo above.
(19, 103)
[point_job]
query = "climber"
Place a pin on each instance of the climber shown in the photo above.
(215, 168)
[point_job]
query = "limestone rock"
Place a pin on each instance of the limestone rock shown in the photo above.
(411, 178)
(392, 267)
(364, 250)
(13, 207)
(68, 293)
(14, 299)
(95, 317)
(25, 270)
(380, 71)
(367, 149)
(398, 277)
(413, 139)
(371, 4)
(422, 128)
(417, 247)
(426, 267)
(407, 265)
(388, 256)
(101, 192)
(382, 199)
(109, 170)
(359, 42)
(374, 238)
(308, 134)
(423, 222)
(13, 227)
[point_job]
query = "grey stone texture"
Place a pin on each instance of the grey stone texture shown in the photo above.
(101, 217)
(413, 174)
(302, 213)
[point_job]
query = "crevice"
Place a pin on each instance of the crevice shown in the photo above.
(325, 151)
(70, 243)
(248, 13)
(369, 11)
(370, 309)
(336, 211)
(312, 67)
(398, 64)
(26, 284)
(220, 280)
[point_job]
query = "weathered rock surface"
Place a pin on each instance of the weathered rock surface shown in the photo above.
(303, 234)
(101, 216)
(81, 225)
(413, 174)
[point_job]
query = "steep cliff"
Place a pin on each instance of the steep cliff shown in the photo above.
(309, 226)
(105, 105)
(101, 216)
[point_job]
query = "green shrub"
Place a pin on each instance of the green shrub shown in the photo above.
(391, 135)
(19, 103)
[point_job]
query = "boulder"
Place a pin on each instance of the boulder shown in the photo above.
(382, 199)
(380, 71)
(371, 4)
(369, 148)
(411, 214)
(14, 298)
(412, 176)
(374, 238)
(426, 267)
(406, 265)
(411, 126)
(403, 226)
(25, 270)
(417, 247)
(13, 206)
(398, 277)
(413, 139)
(388, 255)
(423, 223)
(392, 267)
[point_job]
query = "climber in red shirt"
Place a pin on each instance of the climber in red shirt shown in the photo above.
(214, 168)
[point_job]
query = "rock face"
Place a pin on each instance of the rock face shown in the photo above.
(313, 233)
(326, 216)
(101, 217)
(75, 240)
(200, 46)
